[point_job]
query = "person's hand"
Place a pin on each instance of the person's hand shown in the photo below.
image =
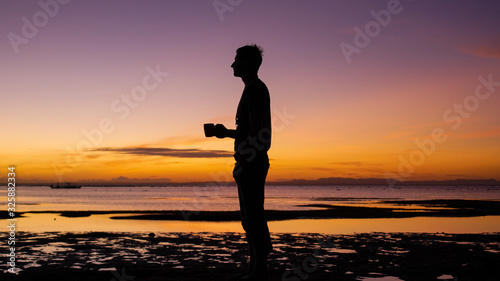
(220, 131)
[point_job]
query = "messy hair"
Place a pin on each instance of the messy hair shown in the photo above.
(251, 54)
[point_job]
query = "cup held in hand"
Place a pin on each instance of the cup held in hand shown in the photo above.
(209, 129)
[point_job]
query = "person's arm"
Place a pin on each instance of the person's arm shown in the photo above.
(256, 125)
(230, 133)
(222, 132)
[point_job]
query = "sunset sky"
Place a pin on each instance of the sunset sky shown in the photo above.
(120, 89)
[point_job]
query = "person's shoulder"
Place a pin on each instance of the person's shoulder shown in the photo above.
(257, 96)
(258, 87)
(260, 84)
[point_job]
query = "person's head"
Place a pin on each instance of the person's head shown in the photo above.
(247, 61)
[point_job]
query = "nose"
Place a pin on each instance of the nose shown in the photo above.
(232, 65)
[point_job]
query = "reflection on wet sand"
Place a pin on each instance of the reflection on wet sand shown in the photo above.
(41, 222)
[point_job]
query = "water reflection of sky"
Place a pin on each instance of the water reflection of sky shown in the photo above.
(54, 222)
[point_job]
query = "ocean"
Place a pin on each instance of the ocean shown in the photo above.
(33, 201)
(225, 198)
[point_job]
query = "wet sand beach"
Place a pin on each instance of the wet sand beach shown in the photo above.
(218, 256)
(133, 254)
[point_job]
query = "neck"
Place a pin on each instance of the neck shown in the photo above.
(247, 79)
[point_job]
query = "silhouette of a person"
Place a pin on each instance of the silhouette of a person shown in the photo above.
(252, 140)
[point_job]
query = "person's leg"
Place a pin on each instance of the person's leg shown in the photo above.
(259, 232)
(251, 252)
(251, 193)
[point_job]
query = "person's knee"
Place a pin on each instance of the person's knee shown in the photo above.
(244, 224)
(256, 216)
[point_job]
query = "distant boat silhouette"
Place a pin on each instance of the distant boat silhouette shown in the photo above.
(67, 185)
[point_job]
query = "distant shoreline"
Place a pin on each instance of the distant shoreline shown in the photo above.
(493, 183)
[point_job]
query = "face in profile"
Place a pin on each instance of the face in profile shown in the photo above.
(238, 67)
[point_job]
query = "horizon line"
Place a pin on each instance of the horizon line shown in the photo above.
(319, 181)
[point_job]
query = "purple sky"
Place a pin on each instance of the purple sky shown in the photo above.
(366, 112)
